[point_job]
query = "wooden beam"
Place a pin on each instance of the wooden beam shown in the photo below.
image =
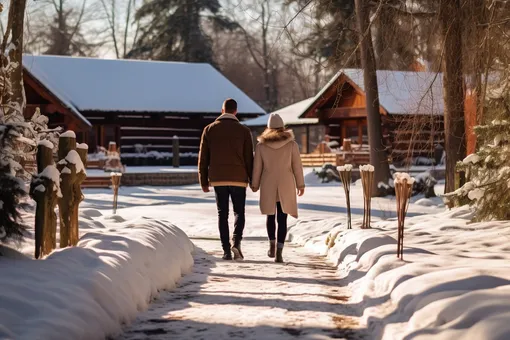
(344, 113)
(144, 122)
(360, 132)
(161, 133)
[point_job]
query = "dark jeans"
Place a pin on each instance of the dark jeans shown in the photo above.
(238, 195)
(281, 217)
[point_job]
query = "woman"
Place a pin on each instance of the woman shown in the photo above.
(278, 173)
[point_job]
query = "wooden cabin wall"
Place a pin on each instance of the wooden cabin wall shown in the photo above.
(153, 132)
(414, 136)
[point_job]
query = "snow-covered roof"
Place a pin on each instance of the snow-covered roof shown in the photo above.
(105, 85)
(400, 92)
(290, 115)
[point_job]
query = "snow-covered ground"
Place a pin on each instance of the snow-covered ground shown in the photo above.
(453, 282)
(143, 210)
(255, 299)
(89, 291)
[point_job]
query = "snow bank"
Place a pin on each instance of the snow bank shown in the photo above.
(88, 291)
(453, 284)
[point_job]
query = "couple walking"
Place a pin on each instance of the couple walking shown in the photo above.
(226, 163)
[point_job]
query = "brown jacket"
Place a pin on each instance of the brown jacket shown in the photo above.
(226, 153)
(278, 172)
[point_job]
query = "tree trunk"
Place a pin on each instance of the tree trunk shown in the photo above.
(378, 156)
(16, 53)
(453, 85)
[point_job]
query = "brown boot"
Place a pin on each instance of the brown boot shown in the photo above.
(279, 257)
(272, 249)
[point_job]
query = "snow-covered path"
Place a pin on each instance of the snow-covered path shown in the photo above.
(254, 299)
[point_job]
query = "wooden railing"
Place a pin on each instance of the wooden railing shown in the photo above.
(318, 159)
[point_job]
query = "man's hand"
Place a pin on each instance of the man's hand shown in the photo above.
(254, 189)
(300, 192)
(205, 189)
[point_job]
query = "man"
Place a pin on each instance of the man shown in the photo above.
(226, 163)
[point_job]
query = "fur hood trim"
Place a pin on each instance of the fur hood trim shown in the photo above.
(275, 136)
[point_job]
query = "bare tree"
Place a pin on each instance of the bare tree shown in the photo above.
(453, 83)
(14, 31)
(122, 38)
(260, 50)
(378, 156)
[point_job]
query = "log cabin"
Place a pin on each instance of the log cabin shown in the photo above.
(411, 106)
(142, 106)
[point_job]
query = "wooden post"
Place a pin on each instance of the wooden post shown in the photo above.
(367, 180)
(403, 190)
(115, 186)
(67, 142)
(360, 132)
(40, 190)
(175, 152)
(82, 150)
(346, 177)
(346, 145)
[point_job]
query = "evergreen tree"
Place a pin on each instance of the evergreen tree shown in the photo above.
(488, 170)
(176, 30)
(13, 190)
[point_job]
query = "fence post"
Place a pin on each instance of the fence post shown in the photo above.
(67, 142)
(175, 152)
(41, 190)
(82, 150)
(115, 177)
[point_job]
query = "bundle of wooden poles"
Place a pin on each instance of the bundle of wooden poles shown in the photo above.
(367, 180)
(403, 190)
(345, 172)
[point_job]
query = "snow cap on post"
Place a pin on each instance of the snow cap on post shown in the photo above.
(82, 146)
(68, 134)
(46, 143)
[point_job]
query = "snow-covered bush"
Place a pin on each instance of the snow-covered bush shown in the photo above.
(488, 170)
(12, 189)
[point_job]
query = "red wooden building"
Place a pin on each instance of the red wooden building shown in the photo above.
(409, 102)
(140, 105)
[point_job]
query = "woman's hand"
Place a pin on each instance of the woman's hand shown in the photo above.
(254, 189)
(300, 192)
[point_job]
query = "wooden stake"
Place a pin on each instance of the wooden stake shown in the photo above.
(67, 176)
(176, 156)
(43, 238)
(74, 235)
(115, 186)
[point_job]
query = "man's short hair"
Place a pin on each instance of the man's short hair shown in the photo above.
(230, 105)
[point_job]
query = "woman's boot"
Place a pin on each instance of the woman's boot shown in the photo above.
(279, 257)
(272, 249)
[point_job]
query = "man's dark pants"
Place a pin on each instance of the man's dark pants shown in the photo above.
(238, 195)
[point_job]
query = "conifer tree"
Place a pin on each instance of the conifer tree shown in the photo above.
(488, 169)
(175, 30)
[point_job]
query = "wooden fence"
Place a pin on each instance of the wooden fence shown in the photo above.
(318, 159)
